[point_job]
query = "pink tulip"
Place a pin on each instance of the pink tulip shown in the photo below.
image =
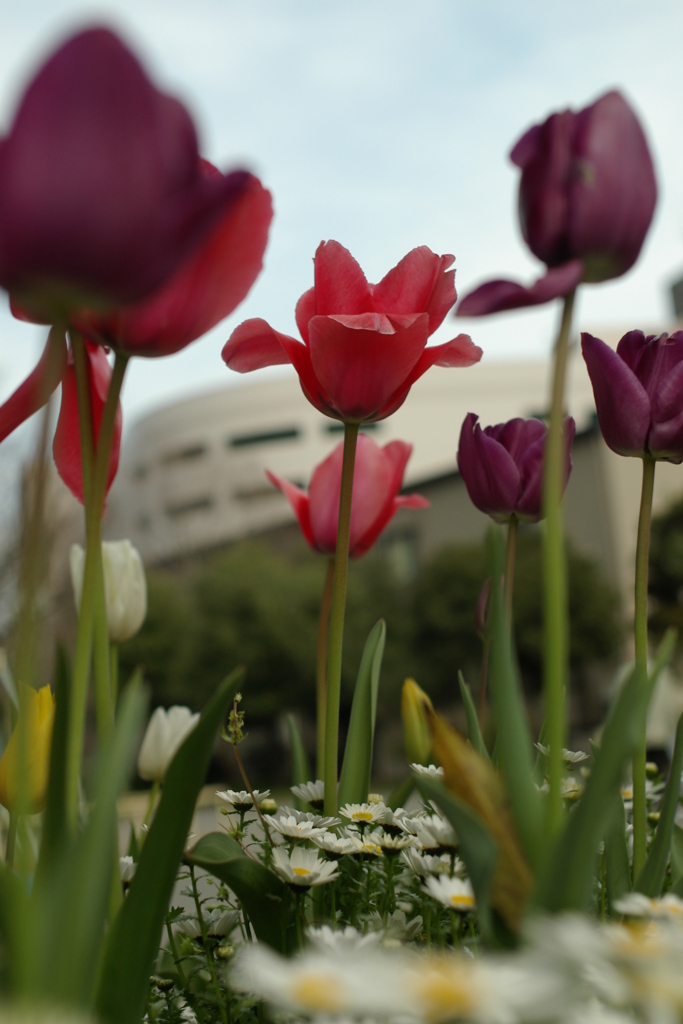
(377, 480)
(364, 345)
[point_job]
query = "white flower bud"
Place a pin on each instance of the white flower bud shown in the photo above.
(165, 732)
(125, 586)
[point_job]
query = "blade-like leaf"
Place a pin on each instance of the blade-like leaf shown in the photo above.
(677, 854)
(473, 730)
(54, 831)
(651, 877)
(354, 782)
(265, 898)
(513, 736)
(478, 847)
(567, 882)
(301, 769)
(78, 895)
(133, 940)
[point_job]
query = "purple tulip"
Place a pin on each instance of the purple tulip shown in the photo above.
(101, 192)
(502, 466)
(586, 199)
(639, 393)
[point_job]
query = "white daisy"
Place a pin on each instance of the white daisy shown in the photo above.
(569, 756)
(334, 846)
(454, 893)
(303, 868)
(312, 793)
(431, 771)
(342, 940)
(423, 864)
(393, 844)
(288, 826)
(636, 904)
(366, 814)
(317, 820)
(241, 799)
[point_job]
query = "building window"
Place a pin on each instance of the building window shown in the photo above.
(188, 454)
(335, 427)
(259, 493)
(187, 507)
(264, 437)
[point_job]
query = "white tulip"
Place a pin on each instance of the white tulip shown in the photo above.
(165, 732)
(125, 586)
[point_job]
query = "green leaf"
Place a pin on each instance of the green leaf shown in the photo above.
(478, 847)
(354, 782)
(473, 731)
(54, 831)
(567, 882)
(677, 854)
(301, 769)
(265, 898)
(617, 863)
(76, 899)
(513, 736)
(651, 878)
(133, 940)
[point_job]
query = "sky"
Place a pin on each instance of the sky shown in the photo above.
(385, 124)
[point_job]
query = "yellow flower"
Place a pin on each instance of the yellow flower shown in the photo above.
(38, 707)
(416, 738)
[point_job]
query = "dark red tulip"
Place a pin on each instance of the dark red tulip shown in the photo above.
(586, 199)
(207, 287)
(639, 393)
(66, 447)
(502, 466)
(364, 345)
(377, 480)
(101, 194)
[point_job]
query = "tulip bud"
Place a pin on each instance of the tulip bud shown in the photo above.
(38, 709)
(165, 733)
(125, 587)
(416, 736)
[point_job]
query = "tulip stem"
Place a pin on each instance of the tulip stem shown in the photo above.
(556, 623)
(95, 471)
(321, 668)
(114, 675)
(510, 555)
(640, 636)
(11, 839)
(337, 608)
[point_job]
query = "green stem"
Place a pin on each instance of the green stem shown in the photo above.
(513, 524)
(114, 675)
(321, 668)
(337, 608)
(153, 794)
(11, 839)
(207, 953)
(640, 635)
(555, 576)
(94, 487)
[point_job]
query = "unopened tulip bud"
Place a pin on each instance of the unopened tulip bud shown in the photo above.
(35, 733)
(165, 733)
(416, 737)
(125, 586)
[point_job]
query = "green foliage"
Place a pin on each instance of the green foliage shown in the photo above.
(354, 782)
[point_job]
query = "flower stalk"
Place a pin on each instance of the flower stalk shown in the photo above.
(640, 637)
(321, 667)
(556, 648)
(95, 466)
(337, 609)
(510, 556)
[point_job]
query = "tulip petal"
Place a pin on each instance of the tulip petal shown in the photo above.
(253, 345)
(205, 290)
(361, 369)
(665, 440)
(340, 284)
(299, 501)
(621, 400)
(499, 296)
(66, 446)
(305, 311)
(34, 393)
(323, 492)
(418, 283)
(490, 474)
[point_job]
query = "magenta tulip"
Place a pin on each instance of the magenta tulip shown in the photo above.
(364, 345)
(586, 199)
(101, 193)
(502, 466)
(639, 393)
(377, 480)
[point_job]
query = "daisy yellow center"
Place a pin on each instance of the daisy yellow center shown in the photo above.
(462, 901)
(301, 872)
(318, 992)
(445, 993)
(362, 816)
